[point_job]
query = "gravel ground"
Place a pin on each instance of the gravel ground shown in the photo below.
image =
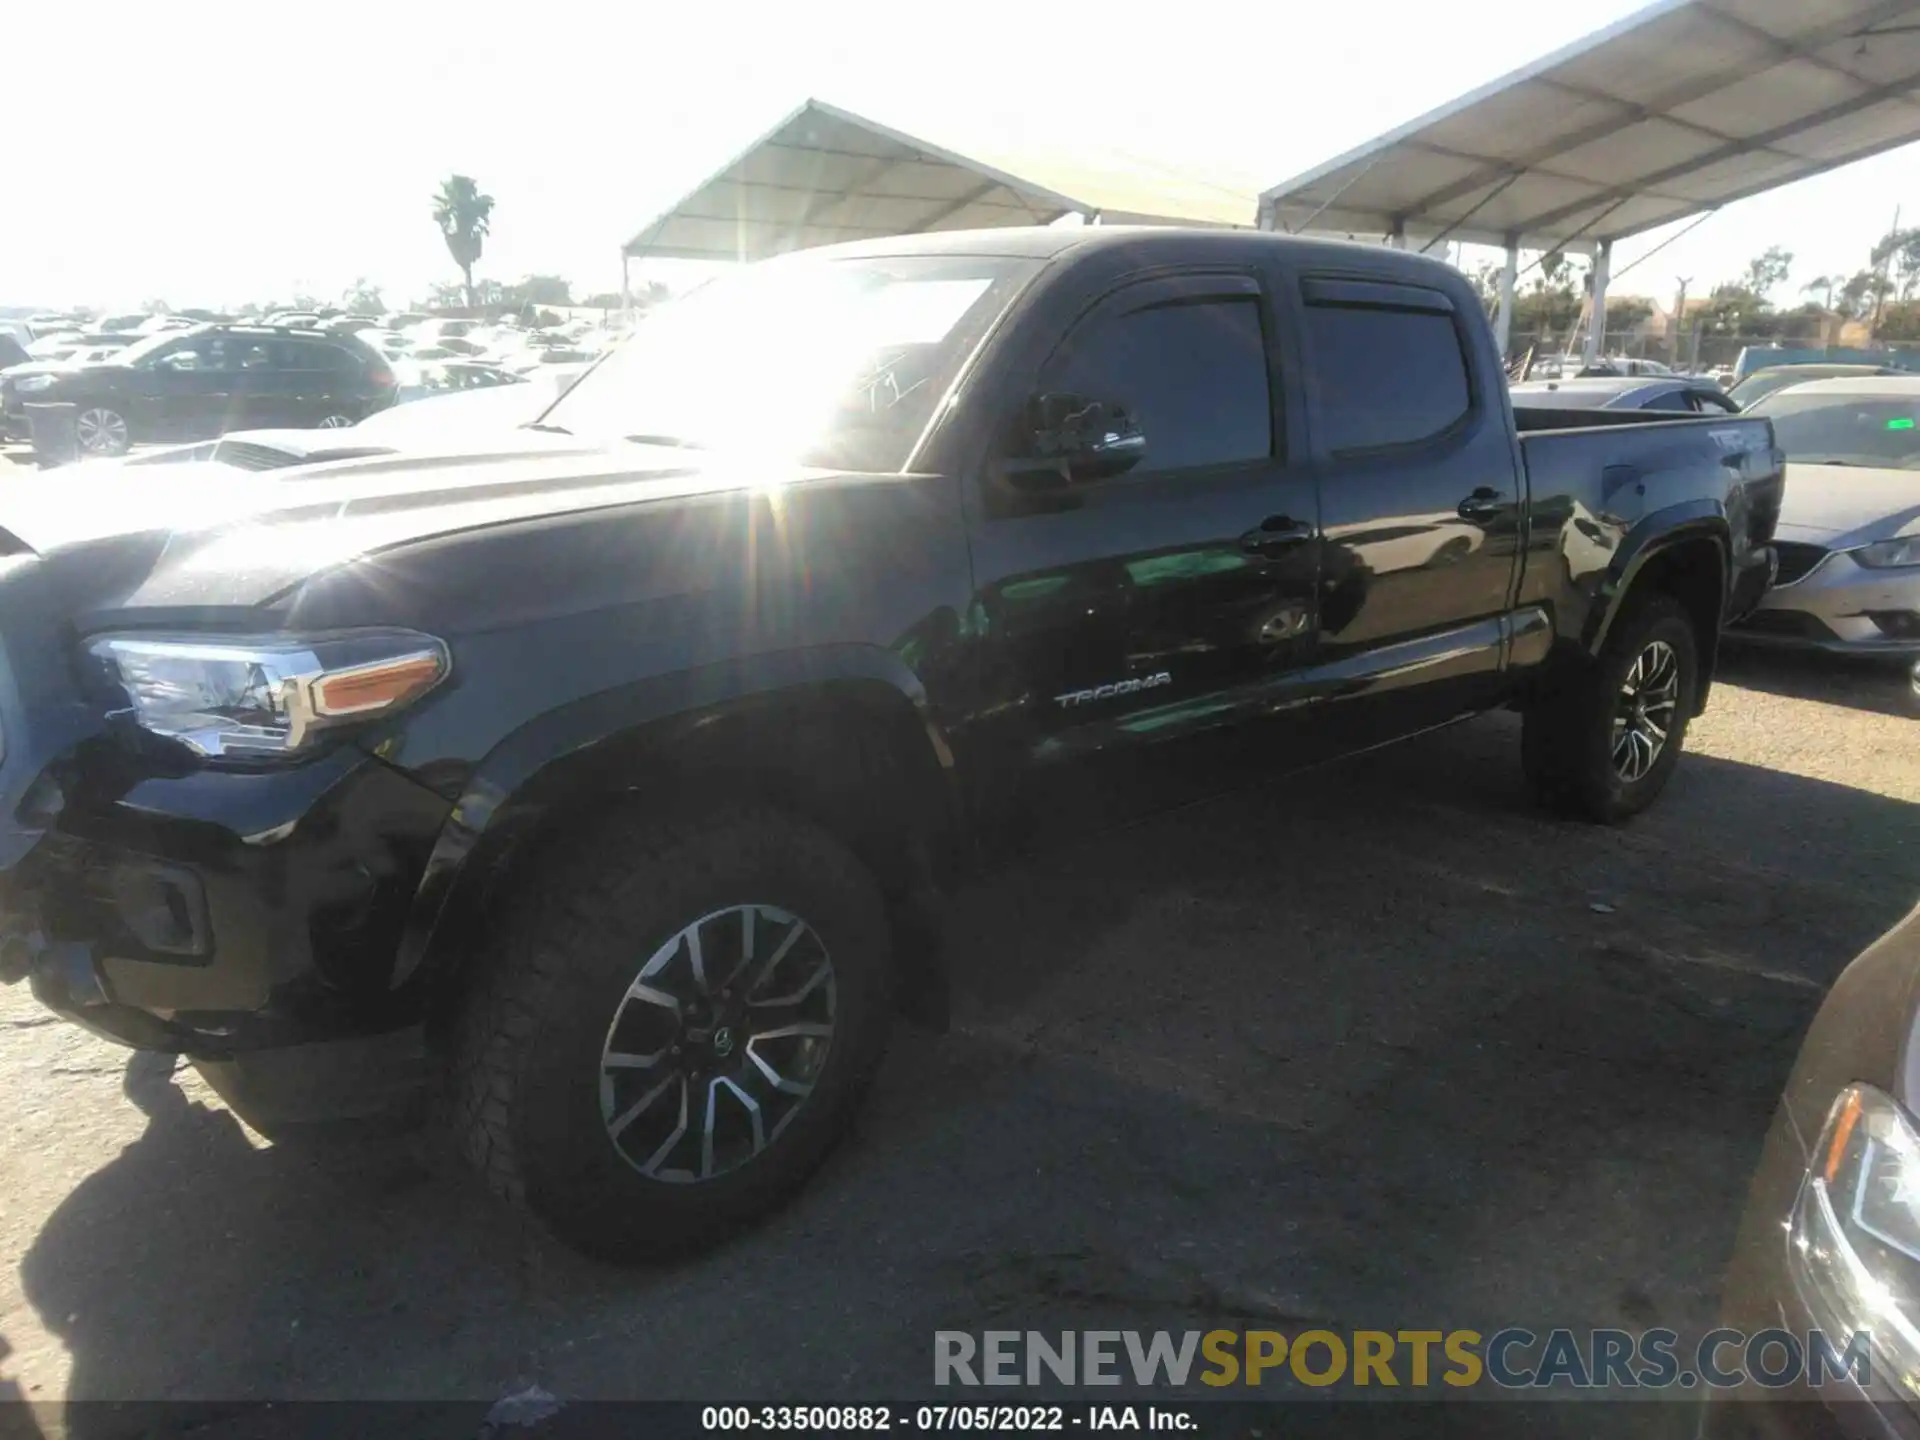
(1378, 1047)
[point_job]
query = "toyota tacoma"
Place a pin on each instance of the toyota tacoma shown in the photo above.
(602, 779)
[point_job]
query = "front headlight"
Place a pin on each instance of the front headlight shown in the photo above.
(271, 694)
(1890, 554)
(1854, 1244)
(27, 384)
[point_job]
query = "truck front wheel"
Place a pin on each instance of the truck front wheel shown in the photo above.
(1602, 742)
(673, 1027)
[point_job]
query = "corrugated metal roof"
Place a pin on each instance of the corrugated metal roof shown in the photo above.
(824, 175)
(1683, 107)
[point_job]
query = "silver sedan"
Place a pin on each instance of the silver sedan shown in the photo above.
(1849, 533)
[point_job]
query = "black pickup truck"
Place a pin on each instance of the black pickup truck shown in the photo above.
(616, 767)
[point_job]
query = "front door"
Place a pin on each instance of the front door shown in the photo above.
(185, 392)
(1128, 626)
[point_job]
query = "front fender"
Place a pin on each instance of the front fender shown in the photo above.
(518, 773)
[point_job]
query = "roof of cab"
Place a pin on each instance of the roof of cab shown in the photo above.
(1049, 241)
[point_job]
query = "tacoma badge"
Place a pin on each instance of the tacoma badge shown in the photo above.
(1118, 687)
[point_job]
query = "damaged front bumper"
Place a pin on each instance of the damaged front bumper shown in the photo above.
(218, 913)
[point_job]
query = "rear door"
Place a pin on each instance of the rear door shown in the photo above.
(1420, 504)
(1130, 623)
(256, 401)
(316, 381)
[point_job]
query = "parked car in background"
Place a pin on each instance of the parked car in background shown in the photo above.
(12, 352)
(440, 377)
(433, 332)
(528, 361)
(1830, 1240)
(192, 384)
(1623, 365)
(64, 344)
(390, 343)
(1849, 533)
(1683, 394)
(1778, 377)
(49, 321)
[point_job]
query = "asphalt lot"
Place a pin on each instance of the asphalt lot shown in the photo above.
(1380, 1047)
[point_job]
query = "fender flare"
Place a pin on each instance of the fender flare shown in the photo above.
(1653, 535)
(539, 748)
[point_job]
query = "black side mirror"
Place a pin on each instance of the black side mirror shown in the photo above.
(1076, 439)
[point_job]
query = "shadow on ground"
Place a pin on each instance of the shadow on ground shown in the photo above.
(1377, 1048)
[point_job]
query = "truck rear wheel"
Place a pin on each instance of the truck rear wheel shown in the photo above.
(673, 1028)
(1603, 743)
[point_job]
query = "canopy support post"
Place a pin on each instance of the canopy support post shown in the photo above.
(1503, 317)
(1597, 330)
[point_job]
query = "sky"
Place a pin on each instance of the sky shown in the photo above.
(248, 152)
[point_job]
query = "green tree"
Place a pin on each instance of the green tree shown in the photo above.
(1900, 321)
(1896, 258)
(1862, 293)
(1551, 303)
(1766, 271)
(540, 290)
(363, 297)
(1823, 286)
(1735, 308)
(464, 216)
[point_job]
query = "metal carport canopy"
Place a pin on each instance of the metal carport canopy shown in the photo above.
(824, 175)
(1678, 109)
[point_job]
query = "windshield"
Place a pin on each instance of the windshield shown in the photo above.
(140, 349)
(832, 363)
(1763, 383)
(1841, 429)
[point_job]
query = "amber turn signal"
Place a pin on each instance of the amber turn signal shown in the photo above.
(363, 689)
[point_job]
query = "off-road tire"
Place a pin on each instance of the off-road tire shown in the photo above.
(526, 1043)
(1567, 741)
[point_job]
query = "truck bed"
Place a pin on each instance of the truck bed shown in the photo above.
(1614, 481)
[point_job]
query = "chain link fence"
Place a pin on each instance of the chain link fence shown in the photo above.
(1702, 350)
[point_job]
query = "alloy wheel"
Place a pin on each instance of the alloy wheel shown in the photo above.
(335, 422)
(717, 1043)
(1644, 714)
(101, 432)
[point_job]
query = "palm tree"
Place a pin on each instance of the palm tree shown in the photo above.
(462, 213)
(1823, 286)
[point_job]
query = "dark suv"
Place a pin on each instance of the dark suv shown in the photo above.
(200, 383)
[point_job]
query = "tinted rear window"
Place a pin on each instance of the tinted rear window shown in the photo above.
(1383, 377)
